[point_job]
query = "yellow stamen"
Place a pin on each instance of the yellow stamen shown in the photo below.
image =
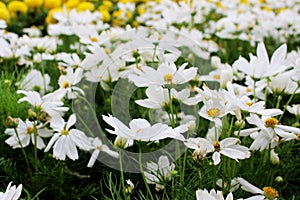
(217, 145)
(65, 132)
(271, 122)
(94, 39)
(139, 130)
(216, 76)
(168, 77)
(248, 90)
(249, 103)
(213, 112)
(29, 130)
(65, 84)
(270, 192)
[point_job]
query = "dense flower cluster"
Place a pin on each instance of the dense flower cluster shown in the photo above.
(88, 43)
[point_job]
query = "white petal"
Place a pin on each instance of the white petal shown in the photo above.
(249, 187)
(71, 121)
(216, 158)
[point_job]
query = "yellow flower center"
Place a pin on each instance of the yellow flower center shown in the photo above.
(249, 103)
(94, 39)
(65, 84)
(217, 145)
(168, 77)
(107, 50)
(213, 112)
(270, 192)
(65, 132)
(216, 76)
(298, 136)
(248, 90)
(137, 131)
(29, 130)
(271, 122)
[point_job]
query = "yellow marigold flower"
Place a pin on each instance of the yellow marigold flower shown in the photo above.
(129, 15)
(49, 4)
(135, 23)
(117, 13)
(70, 4)
(141, 9)
(105, 15)
(17, 6)
(49, 19)
(2, 5)
(85, 6)
(33, 3)
(4, 14)
(107, 4)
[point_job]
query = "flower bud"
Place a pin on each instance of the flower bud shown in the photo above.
(274, 158)
(278, 179)
(11, 122)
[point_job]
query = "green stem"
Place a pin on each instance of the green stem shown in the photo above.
(122, 173)
(278, 101)
(35, 143)
(23, 151)
(171, 109)
(254, 90)
(266, 91)
(143, 175)
(289, 101)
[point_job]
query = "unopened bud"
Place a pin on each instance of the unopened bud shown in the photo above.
(11, 122)
(274, 158)
(278, 179)
(240, 124)
(32, 115)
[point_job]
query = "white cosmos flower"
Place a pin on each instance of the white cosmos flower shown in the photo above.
(49, 103)
(67, 82)
(142, 130)
(26, 133)
(98, 147)
(158, 173)
(66, 140)
(283, 83)
(214, 110)
(294, 109)
(159, 97)
(264, 194)
(212, 195)
(260, 66)
(11, 193)
(227, 147)
(35, 81)
(269, 124)
(166, 73)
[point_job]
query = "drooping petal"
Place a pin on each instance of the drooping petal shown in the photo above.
(245, 185)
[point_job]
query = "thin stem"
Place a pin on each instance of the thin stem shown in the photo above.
(288, 102)
(122, 173)
(254, 90)
(266, 91)
(143, 175)
(35, 143)
(171, 109)
(23, 151)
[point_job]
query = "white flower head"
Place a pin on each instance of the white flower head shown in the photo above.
(142, 130)
(65, 140)
(212, 195)
(11, 193)
(160, 172)
(100, 147)
(264, 194)
(26, 132)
